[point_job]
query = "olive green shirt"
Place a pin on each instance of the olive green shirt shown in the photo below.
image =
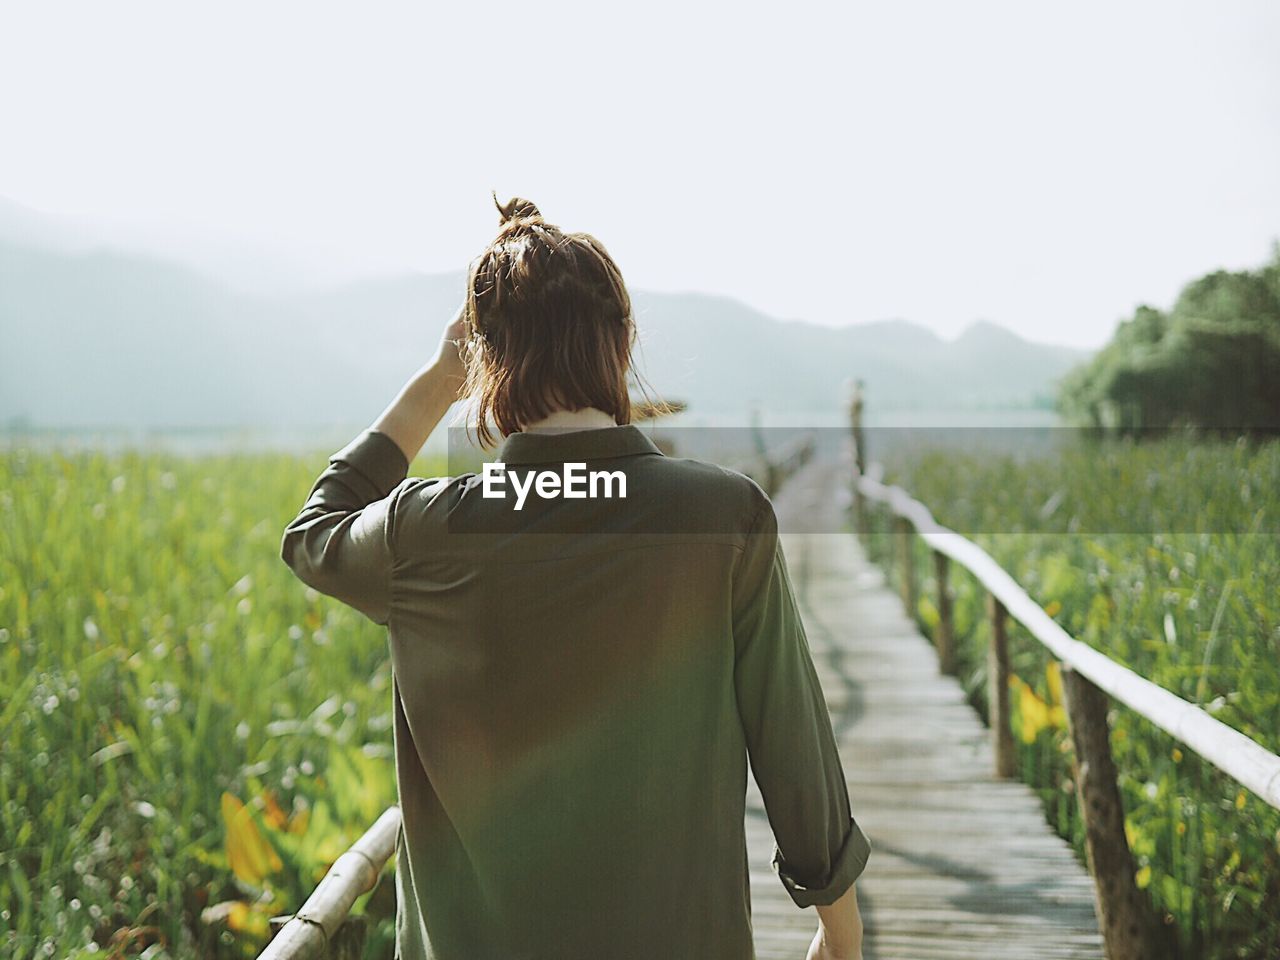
(577, 688)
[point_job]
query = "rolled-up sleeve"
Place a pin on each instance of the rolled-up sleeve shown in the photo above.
(820, 850)
(340, 543)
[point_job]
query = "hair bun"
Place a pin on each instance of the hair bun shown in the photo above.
(517, 209)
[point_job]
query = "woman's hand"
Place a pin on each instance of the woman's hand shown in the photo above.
(820, 949)
(448, 357)
(425, 399)
(839, 935)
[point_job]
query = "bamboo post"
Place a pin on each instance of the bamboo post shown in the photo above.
(1129, 927)
(316, 928)
(944, 636)
(907, 566)
(998, 688)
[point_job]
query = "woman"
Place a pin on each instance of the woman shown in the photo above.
(578, 680)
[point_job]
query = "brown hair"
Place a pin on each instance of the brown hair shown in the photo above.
(549, 325)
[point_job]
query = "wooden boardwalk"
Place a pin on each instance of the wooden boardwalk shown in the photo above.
(963, 864)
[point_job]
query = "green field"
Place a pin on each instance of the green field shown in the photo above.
(160, 668)
(188, 735)
(1196, 609)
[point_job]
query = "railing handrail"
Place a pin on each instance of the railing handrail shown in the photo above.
(310, 930)
(1235, 754)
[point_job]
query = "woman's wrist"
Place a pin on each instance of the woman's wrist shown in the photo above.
(420, 405)
(840, 926)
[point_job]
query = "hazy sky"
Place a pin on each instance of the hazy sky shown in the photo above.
(1045, 167)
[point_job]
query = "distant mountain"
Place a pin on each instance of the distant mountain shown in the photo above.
(21, 225)
(92, 337)
(718, 352)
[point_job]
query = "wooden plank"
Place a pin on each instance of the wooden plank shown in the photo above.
(963, 865)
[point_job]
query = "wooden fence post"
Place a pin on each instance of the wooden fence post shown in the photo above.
(907, 566)
(998, 688)
(348, 942)
(944, 636)
(860, 520)
(855, 425)
(888, 543)
(1128, 922)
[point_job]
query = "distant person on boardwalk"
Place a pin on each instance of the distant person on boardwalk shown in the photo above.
(578, 682)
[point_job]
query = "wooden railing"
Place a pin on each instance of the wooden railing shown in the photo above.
(1089, 677)
(322, 927)
(772, 466)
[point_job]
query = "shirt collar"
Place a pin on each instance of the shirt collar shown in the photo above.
(569, 445)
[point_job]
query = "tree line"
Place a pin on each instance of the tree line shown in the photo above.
(1211, 362)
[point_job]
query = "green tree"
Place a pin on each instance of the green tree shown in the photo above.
(1212, 362)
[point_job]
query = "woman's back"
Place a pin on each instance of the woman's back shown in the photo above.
(576, 684)
(566, 679)
(586, 644)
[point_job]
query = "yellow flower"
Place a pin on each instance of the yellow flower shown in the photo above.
(299, 821)
(1143, 878)
(274, 816)
(248, 918)
(1053, 608)
(1182, 828)
(1177, 755)
(1033, 712)
(1053, 676)
(1240, 798)
(250, 857)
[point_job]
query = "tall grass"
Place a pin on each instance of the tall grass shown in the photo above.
(1195, 609)
(188, 735)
